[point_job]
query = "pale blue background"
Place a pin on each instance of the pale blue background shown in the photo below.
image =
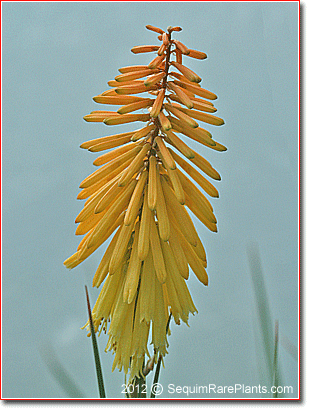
(56, 57)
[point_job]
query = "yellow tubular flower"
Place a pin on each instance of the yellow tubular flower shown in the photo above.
(141, 194)
(152, 185)
(144, 234)
(133, 75)
(136, 199)
(161, 213)
(133, 270)
(189, 74)
(158, 258)
(158, 104)
(135, 106)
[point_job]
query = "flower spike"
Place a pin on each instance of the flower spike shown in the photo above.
(141, 193)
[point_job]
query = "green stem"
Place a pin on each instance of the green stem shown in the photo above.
(156, 377)
(96, 351)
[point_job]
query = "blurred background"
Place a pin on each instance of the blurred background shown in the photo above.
(55, 58)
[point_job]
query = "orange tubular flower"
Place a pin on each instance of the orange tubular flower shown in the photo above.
(141, 194)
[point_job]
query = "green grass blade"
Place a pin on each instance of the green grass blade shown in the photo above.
(263, 309)
(59, 372)
(264, 317)
(96, 352)
(275, 359)
(126, 391)
(156, 377)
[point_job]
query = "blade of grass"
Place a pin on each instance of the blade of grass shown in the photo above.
(96, 352)
(59, 373)
(275, 359)
(156, 376)
(264, 315)
(260, 363)
(126, 391)
(141, 384)
(262, 305)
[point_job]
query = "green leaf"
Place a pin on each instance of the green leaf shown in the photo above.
(262, 305)
(275, 359)
(96, 352)
(270, 342)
